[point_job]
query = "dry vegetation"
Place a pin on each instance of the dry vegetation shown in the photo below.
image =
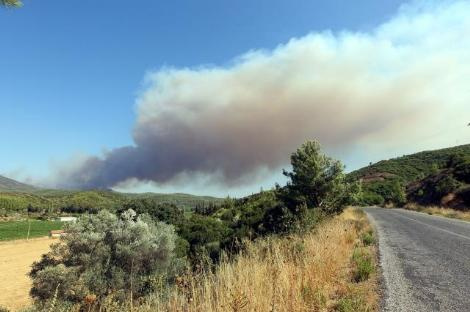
(444, 212)
(330, 269)
(16, 258)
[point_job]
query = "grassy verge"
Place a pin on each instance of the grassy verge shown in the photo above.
(444, 212)
(10, 230)
(330, 269)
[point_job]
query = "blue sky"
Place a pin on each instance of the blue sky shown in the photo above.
(71, 74)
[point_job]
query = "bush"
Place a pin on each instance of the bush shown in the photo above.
(462, 172)
(371, 199)
(163, 212)
(103, 254)
(204, 235)
(368, 238)
(364, 265)
(384, 192)
(445, 186)
(351, 304)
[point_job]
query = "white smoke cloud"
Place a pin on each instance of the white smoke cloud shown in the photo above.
(406, 83)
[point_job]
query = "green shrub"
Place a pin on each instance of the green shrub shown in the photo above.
(351, 304)
(446, 185)
(364, 266)
(462, 171)
(103, 254)
(368, 238)
(372, 199)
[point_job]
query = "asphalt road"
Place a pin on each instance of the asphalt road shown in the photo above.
(425, 261)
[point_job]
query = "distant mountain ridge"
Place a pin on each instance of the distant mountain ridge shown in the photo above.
(10, 185)
(17, 196)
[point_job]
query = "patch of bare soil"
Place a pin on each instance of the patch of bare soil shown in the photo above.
(16, 258)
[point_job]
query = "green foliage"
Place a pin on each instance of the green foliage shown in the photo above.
(205, 236)
(60, 201)
(432, 189)
(187, 202)
(422, 174)
(462, 171)
(445, 186)
(11, 3)
(389, 191)
(316, 182)
(163, 212)
(364, 265)
(104, 255)
(368, 238)
(351, 304)
(371, 198)
(251, 216)
(10, 230)
(413, 167)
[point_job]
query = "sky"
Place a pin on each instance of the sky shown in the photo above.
(158, 96)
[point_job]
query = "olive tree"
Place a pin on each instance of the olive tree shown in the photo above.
(105, 255)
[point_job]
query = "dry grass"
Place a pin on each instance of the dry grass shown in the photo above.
(16, 258)
(313, 272)
(444, 212)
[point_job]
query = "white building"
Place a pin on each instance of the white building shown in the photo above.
(67, 219)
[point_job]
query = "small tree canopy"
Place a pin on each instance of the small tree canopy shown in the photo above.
(317, 181)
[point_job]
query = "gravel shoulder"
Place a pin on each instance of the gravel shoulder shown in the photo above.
(425, 260)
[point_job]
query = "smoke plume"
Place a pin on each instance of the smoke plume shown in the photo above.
(396, 84)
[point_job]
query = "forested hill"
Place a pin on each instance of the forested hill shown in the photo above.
(410, 167)
(19, 197)
(7, 184)
(426, 177)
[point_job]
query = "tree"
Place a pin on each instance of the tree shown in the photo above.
(462, 171)
(104, 255)
(317, 181)
(446, 185)
(164, 212)
(205, 235)
(11, 3)
(398, 193)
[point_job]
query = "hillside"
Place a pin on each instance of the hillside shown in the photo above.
(10, 185)
(18, 197)
(426, 178)
(410, 167)
(91, 200)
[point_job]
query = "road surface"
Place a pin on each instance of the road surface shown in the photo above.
(425, 261)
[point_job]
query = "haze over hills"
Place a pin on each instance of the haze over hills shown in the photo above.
(10, 185)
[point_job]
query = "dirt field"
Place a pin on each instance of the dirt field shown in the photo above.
(16, 258)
